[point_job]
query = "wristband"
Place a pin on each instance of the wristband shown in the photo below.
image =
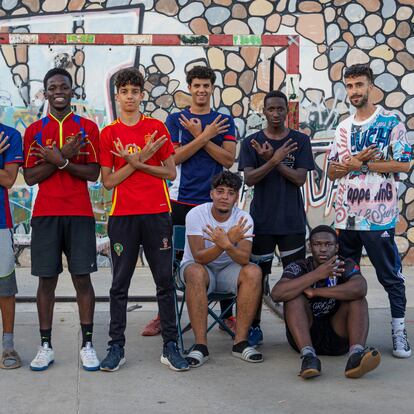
(64, 165)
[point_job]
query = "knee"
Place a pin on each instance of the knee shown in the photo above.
(196, 275)
(357, 303)
(82, 284)
(251, 274)
(295, 305)
(48, 284)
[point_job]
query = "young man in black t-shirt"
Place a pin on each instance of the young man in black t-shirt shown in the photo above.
(275, 161)
(325, 308)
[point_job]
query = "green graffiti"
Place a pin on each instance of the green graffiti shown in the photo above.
(247, 40)
(80, 38)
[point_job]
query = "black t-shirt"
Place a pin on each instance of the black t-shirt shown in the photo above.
(277, 205)
(321, 306)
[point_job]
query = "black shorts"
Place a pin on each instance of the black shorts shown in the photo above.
(324, 339)
(54, 235)
(292, 247)
(179, 212)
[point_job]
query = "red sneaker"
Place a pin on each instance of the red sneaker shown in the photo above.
(153, 328)
(230, 323)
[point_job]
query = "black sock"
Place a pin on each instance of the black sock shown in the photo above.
(224, 304)
(46, 336)
(256, 323)
(240, 346)
(202, 348)
(87, 331)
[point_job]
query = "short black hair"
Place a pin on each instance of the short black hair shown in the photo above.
(201, 72)
(129, 76)
(228, 179)
(275, 94)
(56, 71)
(359, 70)
(323, 229)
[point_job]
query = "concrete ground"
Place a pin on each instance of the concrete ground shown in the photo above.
(224, 384)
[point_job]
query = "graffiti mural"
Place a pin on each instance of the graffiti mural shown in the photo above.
(333, 34)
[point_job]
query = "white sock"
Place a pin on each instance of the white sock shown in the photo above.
(398, 324)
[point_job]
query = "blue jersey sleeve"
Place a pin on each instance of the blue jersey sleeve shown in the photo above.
(173, 128)
(230, 135)
(14, 154)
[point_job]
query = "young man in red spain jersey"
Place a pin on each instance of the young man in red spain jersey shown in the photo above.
(61, 155)
(136, 158)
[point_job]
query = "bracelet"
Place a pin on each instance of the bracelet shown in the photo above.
(64, 165)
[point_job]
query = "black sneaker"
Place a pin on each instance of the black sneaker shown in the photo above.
(311, 366)
(172, 358)
(361, 362)
(114, 359)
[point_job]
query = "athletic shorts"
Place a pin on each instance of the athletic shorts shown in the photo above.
(324, 339)
(223, 279)
(292, 247)
(54, 235)
(8, 285)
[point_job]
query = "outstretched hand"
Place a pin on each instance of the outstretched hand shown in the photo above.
(238, 232)
(264, 150)
(217, 236)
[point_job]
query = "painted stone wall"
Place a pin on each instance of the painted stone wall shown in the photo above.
(333, 34)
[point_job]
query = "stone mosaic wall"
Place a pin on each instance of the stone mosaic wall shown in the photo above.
(334, 33)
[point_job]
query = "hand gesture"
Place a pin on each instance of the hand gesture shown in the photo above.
(130, 157)
(239, 230)
(352, 163)
(332, 267)
(152, 147)
(368, 154)
(3, 142)
(339, 167)
(72, 145)
(287, 148)
(264, 151)
(217, 127)
(193, 125)
(51, 154)
(217, 236)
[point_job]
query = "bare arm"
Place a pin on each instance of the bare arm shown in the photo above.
(297, 177)
(201, 254)
(355, 288)
(224, 155)
(38, 173)
(389, 166)
(336, 171)
(240, 253)
(166, 171)
(111, 178)
(8, 175)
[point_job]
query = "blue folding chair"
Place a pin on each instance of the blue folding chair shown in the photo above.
(178, 244)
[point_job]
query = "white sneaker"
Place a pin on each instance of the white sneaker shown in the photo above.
(90, 361)
(400, 346)
(45, 356)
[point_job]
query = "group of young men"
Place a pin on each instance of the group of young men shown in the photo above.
(227, 249)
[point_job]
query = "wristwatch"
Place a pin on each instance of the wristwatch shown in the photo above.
(364, 167)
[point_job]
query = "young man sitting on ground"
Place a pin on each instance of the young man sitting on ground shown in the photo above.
(326, 312)
(216, 259)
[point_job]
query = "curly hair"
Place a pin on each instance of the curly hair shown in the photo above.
(228, 179)
(129, 76)
(201, 72)
(56, 71)
(323, 229)
(359, 70)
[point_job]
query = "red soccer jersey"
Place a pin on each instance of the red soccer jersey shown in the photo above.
(62, 194)
(140, 193)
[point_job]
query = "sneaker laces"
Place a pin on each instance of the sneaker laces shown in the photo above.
(400, 340)
(42, 355)
(89, 353)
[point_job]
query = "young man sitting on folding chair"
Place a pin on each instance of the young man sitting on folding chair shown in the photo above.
(216, 259)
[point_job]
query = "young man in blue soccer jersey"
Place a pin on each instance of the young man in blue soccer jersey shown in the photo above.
(369, 151)
(205, 142)
(325, 309)
(276, 161)
(11, 156)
